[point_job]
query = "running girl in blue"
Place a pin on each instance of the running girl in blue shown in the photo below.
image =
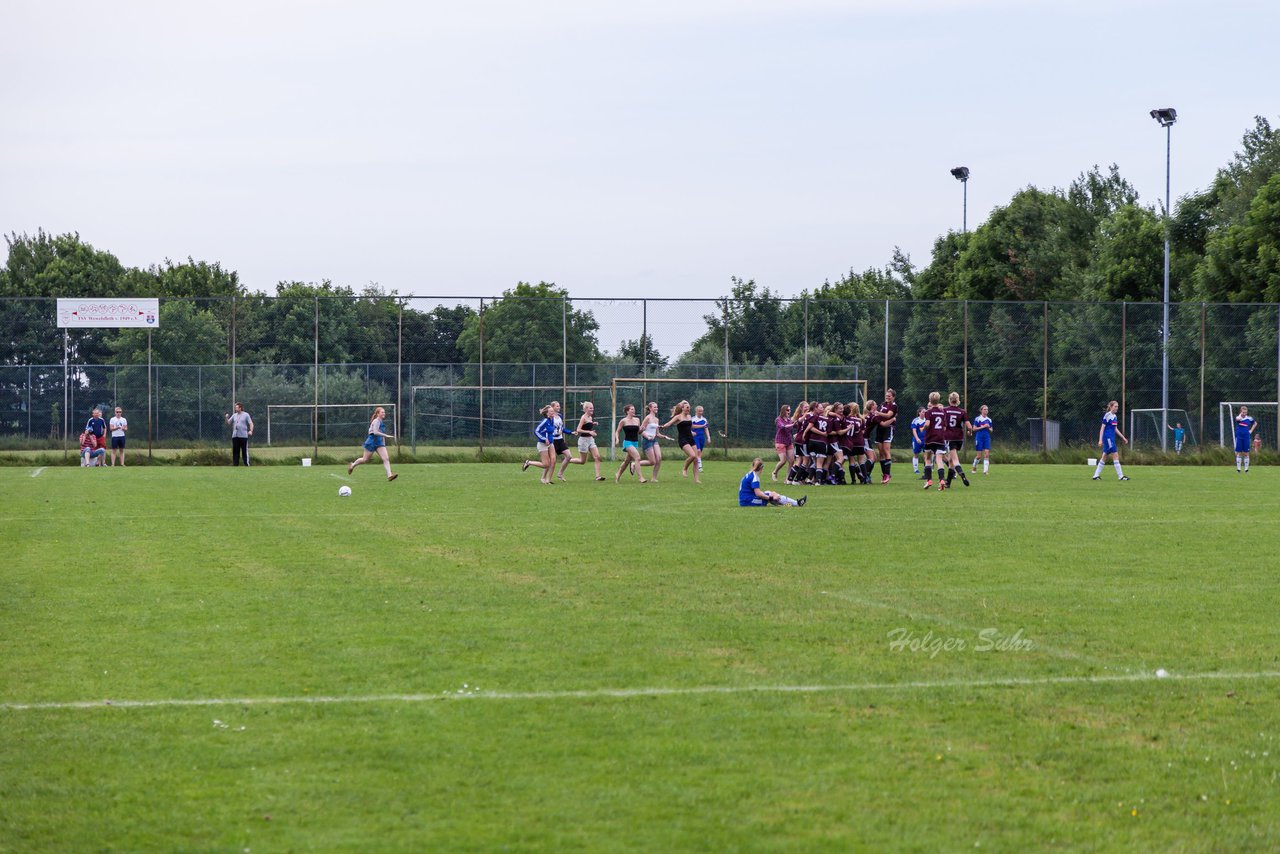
(376, 443)
(1245, 425)
(1107, 441)
(545, 433)
(982, 440)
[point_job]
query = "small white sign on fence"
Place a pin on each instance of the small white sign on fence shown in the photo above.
(108, 313)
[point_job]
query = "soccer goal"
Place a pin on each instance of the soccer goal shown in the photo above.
(329, 423)
(743, 409)
(1147, 428)
(1263, 412)
(492, 415)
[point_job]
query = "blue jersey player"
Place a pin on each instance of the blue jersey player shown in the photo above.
(1245, 427)
(917, 439)
(1107, 434)
(751, 495)
(982, 440)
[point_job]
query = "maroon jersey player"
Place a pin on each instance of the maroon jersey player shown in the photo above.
(935, 440)
(887, 417)
(957, 426)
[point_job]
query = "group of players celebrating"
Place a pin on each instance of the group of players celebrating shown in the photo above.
(815, 441)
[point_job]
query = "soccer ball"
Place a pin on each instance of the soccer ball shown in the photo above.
(344, 491)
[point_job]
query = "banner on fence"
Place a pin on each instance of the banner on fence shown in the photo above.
(114, 313)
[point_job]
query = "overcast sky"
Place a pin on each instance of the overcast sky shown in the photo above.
(618, 150)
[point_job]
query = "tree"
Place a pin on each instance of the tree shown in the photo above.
(1242, 263)
(1128, 256)
(643, 355)
(531, 324)
(754, 320)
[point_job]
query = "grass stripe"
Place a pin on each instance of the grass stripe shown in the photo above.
(623, 693)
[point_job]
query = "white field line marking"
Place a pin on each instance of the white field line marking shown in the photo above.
(338, 476)
(920, 617)
(623, 693)
(38, 471)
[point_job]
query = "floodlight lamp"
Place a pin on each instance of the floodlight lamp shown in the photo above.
(961, 173)
(1165, 116)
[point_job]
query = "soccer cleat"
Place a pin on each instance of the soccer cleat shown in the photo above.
(601, 477)
(560, 478)
(928, 484)
(965, 479)
(351, 468)
(1124, 477)
(884, 480)
(1096, 477)
(803, 499)
(392, 476)
(525, 466)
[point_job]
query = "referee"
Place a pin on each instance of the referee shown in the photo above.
(241, 429)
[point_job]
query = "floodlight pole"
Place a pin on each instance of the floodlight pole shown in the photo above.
(961, 174)
(1166, 117)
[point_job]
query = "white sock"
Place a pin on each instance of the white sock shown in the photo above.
(915, 465)
(1119, 471)
(699, 464)
(975, 463)
(1098, 471)
(1237, 462)
(1246, 463)
(986, 464)
(788, 502)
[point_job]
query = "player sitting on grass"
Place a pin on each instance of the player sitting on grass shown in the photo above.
(751, 495)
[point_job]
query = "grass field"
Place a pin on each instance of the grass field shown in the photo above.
(227, 660)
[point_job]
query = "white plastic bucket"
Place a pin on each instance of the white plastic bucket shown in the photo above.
(1091, 461)
(306, 462)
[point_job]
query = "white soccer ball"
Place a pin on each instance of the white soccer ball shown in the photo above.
(344, 491)
(1162, 673)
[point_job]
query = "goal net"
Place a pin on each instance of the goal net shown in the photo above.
(1263, 412)
(1147, 429)
(743, 409)
(328, 423)
(492, 415)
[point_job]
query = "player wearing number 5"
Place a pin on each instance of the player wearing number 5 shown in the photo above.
(1107, 434)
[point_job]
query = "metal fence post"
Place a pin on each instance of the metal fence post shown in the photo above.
(886, 349)
(315, 384)
(400, 374)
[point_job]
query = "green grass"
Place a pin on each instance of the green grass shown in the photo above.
(506, 665)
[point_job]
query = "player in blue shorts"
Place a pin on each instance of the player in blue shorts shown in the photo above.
(376, 443)
(1179, 433)
(917, 440)
(751, 495)
(1107, 441)
(1245, 425)
(982, 440)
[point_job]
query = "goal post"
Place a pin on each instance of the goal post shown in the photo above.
(323, 422)
(1155, 428)
(454, 414)
(1264, 412)
(744, 409)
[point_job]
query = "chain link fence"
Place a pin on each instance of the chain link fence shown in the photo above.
(467, 371)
